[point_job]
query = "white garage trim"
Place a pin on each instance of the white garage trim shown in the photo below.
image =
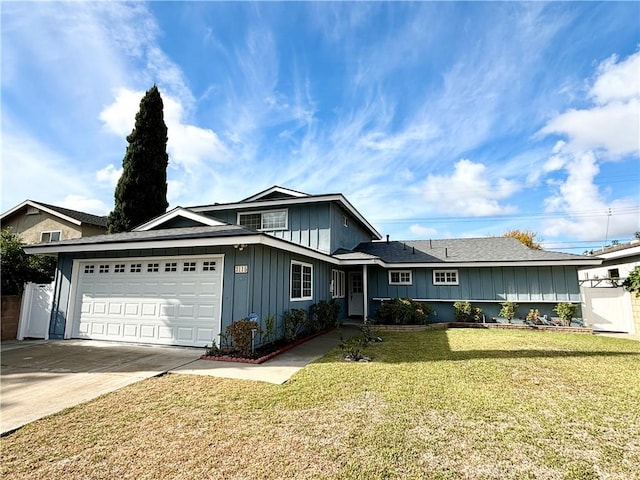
(168, 300)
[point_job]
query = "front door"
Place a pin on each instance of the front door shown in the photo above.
(356, 295)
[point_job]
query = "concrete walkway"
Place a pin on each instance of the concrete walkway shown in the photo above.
(277, 370)
(40, 378)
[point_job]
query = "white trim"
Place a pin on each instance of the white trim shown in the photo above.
(41, 207)
(302, 265)
(177, 212)
(274, 189)
(445, 272)
(261, 212)
(342, 282)
(400, 272)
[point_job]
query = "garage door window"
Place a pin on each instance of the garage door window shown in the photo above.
(170, 267)
(103, 269)
(208, 266)
(118, 268)
(88, 268)
(153, 267)
(136, 268)
(189, 267)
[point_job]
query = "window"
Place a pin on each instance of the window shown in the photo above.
(301, 281)
(208, 266)
(153, 267)
(118, 268)
(614, 273)
(189, 267)
(272, 220)
(445, 277)
(170, 266)
(135, 268)
(337, 284)
(51, 236)
(345, 221)
(103, 269)
(88, 268)
(400, 277)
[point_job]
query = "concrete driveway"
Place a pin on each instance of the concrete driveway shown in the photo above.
(39, 378)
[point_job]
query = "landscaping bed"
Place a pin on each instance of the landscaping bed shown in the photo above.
(499, 326)
(264, 352)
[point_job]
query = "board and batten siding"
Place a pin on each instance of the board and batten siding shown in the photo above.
(349, 236)
(488, 286)
(263, 290)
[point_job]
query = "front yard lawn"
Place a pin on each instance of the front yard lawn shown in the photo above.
(456, 404)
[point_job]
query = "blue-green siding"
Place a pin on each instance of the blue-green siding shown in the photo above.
(319, 226)
(530, 287)
(264, 290)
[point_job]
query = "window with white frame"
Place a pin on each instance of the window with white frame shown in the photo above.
(400, 277)
(268, 220)
(54, 236)
(337, 284)
(301, 281)
(445, 277)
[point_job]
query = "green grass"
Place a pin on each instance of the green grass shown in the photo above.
(457, 404)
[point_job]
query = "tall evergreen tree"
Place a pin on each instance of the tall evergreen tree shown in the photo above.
(141, 193)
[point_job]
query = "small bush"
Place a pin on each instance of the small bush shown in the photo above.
(324, 315)
(465, 312)
(534, 316)
(295, 323)
(403, 311)
(508, 310)
(241, 332)
(566, 311)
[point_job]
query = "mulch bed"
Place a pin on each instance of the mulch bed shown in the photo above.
(501, 326)
(263, 353)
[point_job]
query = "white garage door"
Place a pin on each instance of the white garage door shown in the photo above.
(170, 301)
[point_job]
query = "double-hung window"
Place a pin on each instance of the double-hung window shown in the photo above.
(267, 220)
(400, 277)
(301, 281)
(445, 277)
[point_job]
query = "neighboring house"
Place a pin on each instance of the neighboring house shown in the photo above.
(37, 222)
(607, 305)
(182, 277)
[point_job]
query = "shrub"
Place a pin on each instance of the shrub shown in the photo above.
(295, 322)
(241, 333)
(533, 316)
(508, 310)
(632, 282)
(324, 314)
(566, 311)
(465, 312)
(403, 311)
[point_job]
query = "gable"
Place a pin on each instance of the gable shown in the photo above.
(178, 218)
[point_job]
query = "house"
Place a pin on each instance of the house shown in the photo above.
(36, 222)
(607, 305)
(182, 277)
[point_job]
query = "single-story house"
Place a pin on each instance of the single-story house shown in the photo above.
(607, 306)
(182, 277)
(36, 222)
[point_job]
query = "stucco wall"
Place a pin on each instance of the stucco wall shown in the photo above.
(30, 227)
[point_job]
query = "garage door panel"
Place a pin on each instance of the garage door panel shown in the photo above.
(156, 301)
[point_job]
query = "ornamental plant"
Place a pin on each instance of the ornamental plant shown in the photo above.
(403, 311)
(241, 333)
(508, 310)
(566, 311)
(632, 282)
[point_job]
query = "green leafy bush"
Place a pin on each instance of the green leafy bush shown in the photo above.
(465, 312)
(632, 282)
(403, 311)
(566, 311)
(294, 323)
(17, 267)
(324, 315)
(508, 310)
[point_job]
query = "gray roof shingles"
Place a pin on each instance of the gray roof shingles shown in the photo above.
(80, 216)
(460, 250)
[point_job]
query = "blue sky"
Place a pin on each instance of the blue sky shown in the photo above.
(435, 119)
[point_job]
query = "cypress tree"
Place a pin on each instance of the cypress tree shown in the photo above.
(141, 193)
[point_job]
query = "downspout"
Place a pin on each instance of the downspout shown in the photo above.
(365, 294)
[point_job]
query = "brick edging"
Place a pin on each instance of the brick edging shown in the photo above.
(499, 326)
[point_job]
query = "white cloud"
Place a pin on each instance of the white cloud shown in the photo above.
(423, 232)
(84, 204)
(120, 117)
(469, 190)
(109, 175)
(608, 130)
